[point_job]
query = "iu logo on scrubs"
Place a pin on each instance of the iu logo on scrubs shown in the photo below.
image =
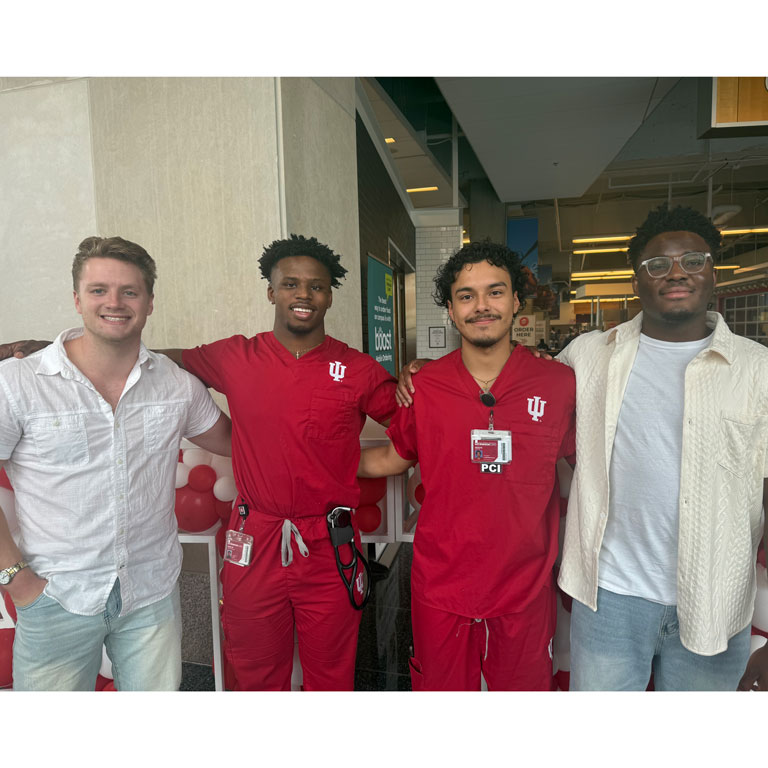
(359, 583)
(336, 369)
(536, 407)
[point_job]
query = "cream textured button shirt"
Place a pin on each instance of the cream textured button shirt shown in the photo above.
(724, 460)
(95, 490)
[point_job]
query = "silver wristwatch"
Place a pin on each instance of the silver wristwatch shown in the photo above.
(8, 573)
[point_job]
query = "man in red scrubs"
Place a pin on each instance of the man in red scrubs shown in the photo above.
(487, 426)
(298, 400)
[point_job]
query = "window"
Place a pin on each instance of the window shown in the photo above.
(748, 316)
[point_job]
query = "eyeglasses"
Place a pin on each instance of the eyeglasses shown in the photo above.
(661, 266)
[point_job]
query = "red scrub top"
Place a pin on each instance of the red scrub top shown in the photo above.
(295, 423)
(485, 544)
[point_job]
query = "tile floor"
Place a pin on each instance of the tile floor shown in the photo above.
(384, 641)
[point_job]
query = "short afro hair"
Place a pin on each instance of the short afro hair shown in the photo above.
(678, 219)
(298, 245)
(493, 253)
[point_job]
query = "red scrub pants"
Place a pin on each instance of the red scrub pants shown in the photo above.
(513, 652)
(263, 601)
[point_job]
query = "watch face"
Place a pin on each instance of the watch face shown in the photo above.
(4, 577)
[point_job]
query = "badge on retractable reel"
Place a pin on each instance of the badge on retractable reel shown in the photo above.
(491, 446)
(238, 546)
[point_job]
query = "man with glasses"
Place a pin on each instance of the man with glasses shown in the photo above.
(664, 517)
(487, 426)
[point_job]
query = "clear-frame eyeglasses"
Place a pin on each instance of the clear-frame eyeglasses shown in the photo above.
(660, 266)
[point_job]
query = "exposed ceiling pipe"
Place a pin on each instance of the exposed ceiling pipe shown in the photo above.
(557, 224)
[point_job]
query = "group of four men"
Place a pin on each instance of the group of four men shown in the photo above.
(664, 517)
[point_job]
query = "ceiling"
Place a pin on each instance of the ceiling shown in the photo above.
(559, 138)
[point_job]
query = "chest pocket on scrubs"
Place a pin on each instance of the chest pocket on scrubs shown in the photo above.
(162, 427)
(60, 440)
(533, 454)
(331, 416)
(735, 442)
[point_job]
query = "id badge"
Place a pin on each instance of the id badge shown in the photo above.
(238, 548)
(491, 446)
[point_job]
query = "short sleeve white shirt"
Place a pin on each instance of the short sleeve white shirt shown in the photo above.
(95, 489)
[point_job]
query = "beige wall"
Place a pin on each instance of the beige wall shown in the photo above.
(319, 143)
(46, 202)
(201, 171)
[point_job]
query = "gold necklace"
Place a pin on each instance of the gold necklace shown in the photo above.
(300, 352)
(482, 383)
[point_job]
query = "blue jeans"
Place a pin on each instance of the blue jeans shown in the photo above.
(628, 638)
(55, 650)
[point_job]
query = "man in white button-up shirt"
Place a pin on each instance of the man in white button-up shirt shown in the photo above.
(89, 436)
(664, 515)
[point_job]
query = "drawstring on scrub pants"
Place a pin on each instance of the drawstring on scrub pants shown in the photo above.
(285, 544)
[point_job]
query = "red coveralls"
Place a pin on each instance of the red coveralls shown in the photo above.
(482, 591)
(295, 451)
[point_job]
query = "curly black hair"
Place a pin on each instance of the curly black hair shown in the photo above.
(298, 245)
(493, 253)
(678, 219)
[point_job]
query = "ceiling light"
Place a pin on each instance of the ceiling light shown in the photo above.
(604, 275)
(389, 141)
(422, 189)
(754, 267)
(727, 266)
(749, 231)
(604, 301)
(602, 239)
(586, 251)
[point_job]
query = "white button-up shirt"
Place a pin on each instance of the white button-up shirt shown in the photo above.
(723, 463)
(95, 490)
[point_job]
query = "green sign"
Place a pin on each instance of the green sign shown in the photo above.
(381, 313)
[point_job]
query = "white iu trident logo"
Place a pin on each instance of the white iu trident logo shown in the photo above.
(536, 407)
(336, 369)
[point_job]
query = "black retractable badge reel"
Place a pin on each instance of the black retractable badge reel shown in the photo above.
(340, 528)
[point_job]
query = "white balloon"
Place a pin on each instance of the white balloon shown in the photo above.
(195, 456)
(760, 616)
(224, 489)
(222, 465)
(755, 642)
(106, 664)
(8, 504)
(182, 474)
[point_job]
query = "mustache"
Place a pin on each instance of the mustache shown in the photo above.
(484, 317)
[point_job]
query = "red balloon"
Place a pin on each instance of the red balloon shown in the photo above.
(224, 510)
(4, 481)
(6, 657)
(371, 489)
(221, 536)
(195, 511)
(419, 493)
(201, 478)
(10, 608)
(368, 517)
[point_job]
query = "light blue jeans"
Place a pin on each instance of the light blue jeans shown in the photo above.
(55, 650)
(628, 638)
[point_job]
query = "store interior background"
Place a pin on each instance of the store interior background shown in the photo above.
(204, 171)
